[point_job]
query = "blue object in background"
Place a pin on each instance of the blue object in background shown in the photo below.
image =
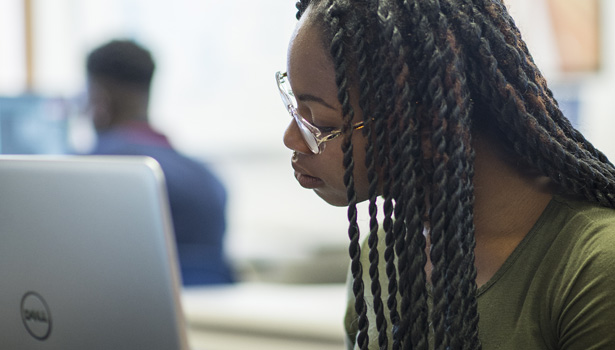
(32, 124)
(567, 97)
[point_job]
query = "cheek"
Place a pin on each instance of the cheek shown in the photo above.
(332, 172)
(336, 174)
(332, 168)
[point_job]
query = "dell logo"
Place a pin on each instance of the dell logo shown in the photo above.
(35, 315)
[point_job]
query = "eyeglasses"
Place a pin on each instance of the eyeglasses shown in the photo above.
(313, 136)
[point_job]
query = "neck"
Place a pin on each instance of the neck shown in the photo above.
(117, 103)
(508, 202)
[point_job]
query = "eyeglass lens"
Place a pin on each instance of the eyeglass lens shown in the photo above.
(289, 98)
(307, 134)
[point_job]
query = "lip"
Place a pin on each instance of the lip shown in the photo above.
(308, 181)
(305, 180)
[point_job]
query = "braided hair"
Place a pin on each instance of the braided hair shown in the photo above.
(446, 69)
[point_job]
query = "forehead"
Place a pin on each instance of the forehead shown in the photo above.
(309, 63)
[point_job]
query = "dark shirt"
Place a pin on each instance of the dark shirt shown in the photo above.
(197, 200)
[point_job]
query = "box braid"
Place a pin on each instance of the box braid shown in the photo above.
(445, 69)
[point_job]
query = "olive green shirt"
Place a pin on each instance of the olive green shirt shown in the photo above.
(556, 291)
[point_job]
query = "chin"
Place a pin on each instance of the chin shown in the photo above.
(334, 200)
(339, 200)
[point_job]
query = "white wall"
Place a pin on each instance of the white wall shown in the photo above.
(12, 48)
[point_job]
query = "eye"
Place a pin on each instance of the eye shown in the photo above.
(325, 129)
(309, 116)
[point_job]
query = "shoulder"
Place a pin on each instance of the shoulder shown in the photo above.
(558, 288)
(585, 299)
(583, 241)
(584, 230)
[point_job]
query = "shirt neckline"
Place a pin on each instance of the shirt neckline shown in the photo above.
(512, 258)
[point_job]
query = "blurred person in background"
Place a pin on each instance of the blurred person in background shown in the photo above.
(119, 76)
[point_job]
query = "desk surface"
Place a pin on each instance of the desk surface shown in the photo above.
(301, 313)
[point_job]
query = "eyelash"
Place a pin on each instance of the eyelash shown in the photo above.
(324, 129)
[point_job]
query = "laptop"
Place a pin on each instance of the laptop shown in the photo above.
(87, 255)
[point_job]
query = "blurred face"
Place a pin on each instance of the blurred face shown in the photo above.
(312, 78)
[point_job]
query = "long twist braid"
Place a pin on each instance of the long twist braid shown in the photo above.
(462, 316)
(460, 187)
(411, 248)
(395, 230)
(380, 63)
(434, 97)
(373, 179)
(411, 293)
(465, 220)
(338, 46)
(381, 66)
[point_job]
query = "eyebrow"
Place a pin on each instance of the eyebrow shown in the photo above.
(312, 98)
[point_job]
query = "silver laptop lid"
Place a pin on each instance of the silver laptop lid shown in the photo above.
(87, 257)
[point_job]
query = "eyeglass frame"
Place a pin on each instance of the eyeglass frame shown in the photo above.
(307, 129)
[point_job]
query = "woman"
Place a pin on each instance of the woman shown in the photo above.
(497, 231)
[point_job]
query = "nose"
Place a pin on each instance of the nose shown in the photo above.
(293, 139)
